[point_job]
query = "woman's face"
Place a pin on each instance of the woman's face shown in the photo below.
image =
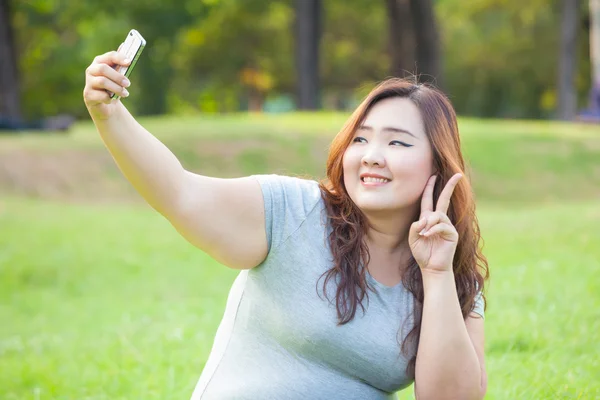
(390, 143)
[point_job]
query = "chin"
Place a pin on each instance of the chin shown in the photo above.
(376, 205)
(379, 204)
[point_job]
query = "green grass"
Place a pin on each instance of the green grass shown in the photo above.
(102, 302)
(107, 301)
(512, 162)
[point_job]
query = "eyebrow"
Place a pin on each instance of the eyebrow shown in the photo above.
(388, 129)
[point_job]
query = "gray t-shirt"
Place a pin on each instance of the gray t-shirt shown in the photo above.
(279, 337)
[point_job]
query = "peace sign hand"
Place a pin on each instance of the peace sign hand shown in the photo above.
(433, 238)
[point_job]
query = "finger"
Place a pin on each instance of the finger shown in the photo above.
(444, 199)
(112, 58)
(446, 231)
(103, 83)
(427, 198)
(97, 96)
(415, 229)
(117, 66)
(419, 225)
(433, 219)
(110, 73)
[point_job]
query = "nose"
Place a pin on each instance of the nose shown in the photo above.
(373, 157)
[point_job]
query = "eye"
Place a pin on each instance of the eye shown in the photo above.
(357, 139)
(401, 143)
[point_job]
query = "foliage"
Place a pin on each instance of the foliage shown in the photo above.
(500, 56)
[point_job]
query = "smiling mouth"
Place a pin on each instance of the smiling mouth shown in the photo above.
(373, 181)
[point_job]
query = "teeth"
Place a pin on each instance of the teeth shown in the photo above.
(377, 180)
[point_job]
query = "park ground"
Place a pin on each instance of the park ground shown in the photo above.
(100, 298)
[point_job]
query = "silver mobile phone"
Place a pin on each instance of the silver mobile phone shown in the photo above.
(132, 48)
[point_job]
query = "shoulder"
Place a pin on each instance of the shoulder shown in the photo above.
(289, 189)
(301, 181)
(288, 202)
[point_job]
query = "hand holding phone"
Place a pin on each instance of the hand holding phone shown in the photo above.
(131, 49)
(106, 77)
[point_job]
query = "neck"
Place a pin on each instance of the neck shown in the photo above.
(388, 235)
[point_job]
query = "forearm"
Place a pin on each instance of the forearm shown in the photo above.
(150, 167)
(447, 364)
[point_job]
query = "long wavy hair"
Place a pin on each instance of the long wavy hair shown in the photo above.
(349, 224)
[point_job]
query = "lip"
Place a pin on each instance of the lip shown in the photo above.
(372, 184)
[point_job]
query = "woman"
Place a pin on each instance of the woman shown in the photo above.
(305, 319)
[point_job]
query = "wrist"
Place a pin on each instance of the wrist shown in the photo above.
(437, 277)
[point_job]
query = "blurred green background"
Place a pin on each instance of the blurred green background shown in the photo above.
(100, 298)
(495, 58)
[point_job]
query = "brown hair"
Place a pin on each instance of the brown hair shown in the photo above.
(349, 224)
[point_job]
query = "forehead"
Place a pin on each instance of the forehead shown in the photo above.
(396, 112)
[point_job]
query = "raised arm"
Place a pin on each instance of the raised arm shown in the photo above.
(223, 217)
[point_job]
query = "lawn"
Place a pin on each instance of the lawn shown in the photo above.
(104, 300)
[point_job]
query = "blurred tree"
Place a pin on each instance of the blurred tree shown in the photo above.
(56, 41)
(414, 40)
(308, 30)
(426, 41)
(567, 60)
(593, 111)
(499, 56)
(401, 38)
(595, 40)
(238, 67)
(355, 51)
(159, 22)
(10, 104)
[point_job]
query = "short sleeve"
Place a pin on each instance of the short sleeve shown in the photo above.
(479, 304)
(288, 202)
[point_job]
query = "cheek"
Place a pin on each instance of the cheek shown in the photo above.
(413, 171)
(351, 166)
(350, 163)
(416, 165)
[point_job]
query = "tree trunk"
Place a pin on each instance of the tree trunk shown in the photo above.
(595, 40)
(308, 36)
(401, 38)
(592, 113)
(567, 63)
(10, 104)
(427, 42)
